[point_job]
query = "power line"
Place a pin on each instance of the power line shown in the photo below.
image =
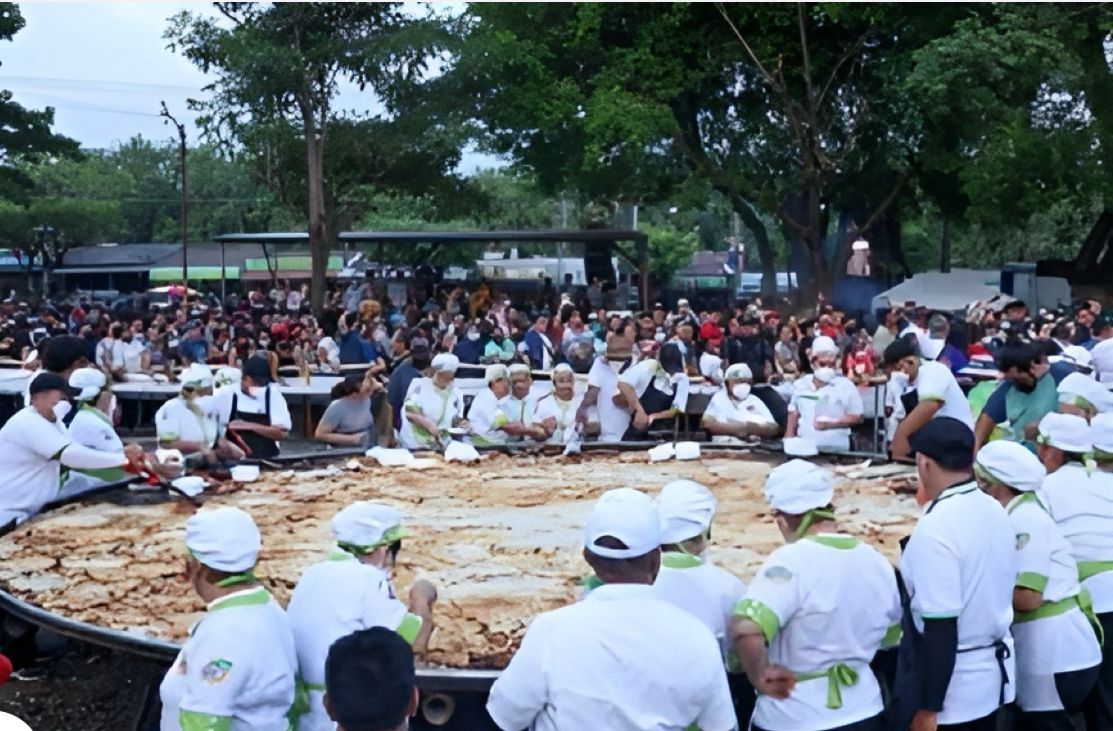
(63, 103)
(48, 80)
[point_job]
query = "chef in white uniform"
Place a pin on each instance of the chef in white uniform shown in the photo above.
(556, 411)
(254, 412)
(817, 612)
(90, 426)
(825, 404)
(734, 411)
(486, 415)
(349, 591)
(188, 422)
(959, 569)
(932, 392)
(1081, 395)
(432, 405)
(621, 659)
(236, 671)
(520, 407)
(36, 445)
(602, 385)
(1057, 650)
(1079, 497)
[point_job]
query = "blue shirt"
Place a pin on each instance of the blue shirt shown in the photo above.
(354, 349)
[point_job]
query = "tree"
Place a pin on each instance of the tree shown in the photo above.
(280, 67)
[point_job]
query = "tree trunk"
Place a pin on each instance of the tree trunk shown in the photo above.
(319, 239)
(765, 253)
(945, 246)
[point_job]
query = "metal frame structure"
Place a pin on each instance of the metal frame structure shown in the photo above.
(639, 257)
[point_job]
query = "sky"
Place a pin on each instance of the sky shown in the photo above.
(105, 68)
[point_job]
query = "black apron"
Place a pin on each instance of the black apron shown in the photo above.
(653, 400)
(260, 446)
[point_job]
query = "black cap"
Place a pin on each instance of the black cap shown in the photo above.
(50, 382)
(192, 325)
(419, 346)
(259, 369)
(946, 440)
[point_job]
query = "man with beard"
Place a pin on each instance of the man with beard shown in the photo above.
(1028, 392)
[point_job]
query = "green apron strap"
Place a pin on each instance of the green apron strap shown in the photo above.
(837, 676)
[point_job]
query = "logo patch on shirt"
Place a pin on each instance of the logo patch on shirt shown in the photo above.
(778, 574)
(216, 671)
(1022, 540)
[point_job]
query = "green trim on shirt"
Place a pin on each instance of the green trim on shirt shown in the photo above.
(760, 615)
(106, 474)
(892, 636)
(409, 628)
(1031, 580)
(933, 397)
(677, 560)
(193, 721)
(1021, 499)
(844, 543)
(253, 598)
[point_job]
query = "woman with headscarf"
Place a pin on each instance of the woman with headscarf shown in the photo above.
(656, 389)
(557, 411)
(432, 406)
(734, 411)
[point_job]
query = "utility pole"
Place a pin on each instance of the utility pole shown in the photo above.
(185, 208)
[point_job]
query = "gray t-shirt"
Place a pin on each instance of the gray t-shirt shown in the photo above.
(349, 416)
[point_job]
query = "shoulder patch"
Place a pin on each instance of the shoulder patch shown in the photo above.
(778, 574)
(1022, 540)
(216, 671)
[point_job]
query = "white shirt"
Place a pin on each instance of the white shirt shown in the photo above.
(239, 662)
(750, 410)
(820, 601)
(702, 589)
(833, 400)
(133, 356)
(641, 375)
(29, 444)
(253, 403)
(935, 382)
(1081, 505)
(613, 421)
(439, 406)
(550, 407)
(110, 351)
(331, 600)
(711, 367)
(176, 421)
(961, 562)
(485, 415)
(332, 352)
(1048, 645)
(620, 660)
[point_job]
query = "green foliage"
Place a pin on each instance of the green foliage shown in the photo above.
(669, 250)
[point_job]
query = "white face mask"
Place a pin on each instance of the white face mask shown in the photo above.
(62, 409)
(900, 378)
(825, 374)
(740, 391)
(473, 336)
(659, 337)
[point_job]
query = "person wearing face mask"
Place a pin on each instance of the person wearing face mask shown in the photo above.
(499, 348)
(486, 415)
(556, 411)
(432, 406)
(90, 425)
(470, 349)
(824, 405)
(816, 614)
(735, 412)
(350, 591)
(254, 412)
(932, 393)
(956, 665)
(1028, 392)
(238, 668)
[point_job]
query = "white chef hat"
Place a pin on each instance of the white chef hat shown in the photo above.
(445, 362)
(797, 487)
(196, 376)
(365, 526)
(1067, 432)
(88, 383)
(1078, 355)
(519, 369)
(686, 509)
(627, 515)
(1101, 358)
(1080, 386)
(737, 372)
(496, 372)
(1010, 464)
(227, 375)
(225, 539)
(563, 368)
(930, 348)
(1101, 430)
(824, 345)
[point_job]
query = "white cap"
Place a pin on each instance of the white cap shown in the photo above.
(1011, 464)
(88, 382)
(797, 487)
(930, 348)
(227, 375)
(1102, 360)
(686, 509)
(1078, 355)
(496, 372)
(1067, 432)
(196, 376)
(225, 539)
(630, 517)
(368, 525)
(1101, 429)
(1079, 385)
(563, 368)
(860, 245)
(519, 369)
(824, 345)
(738, 371)
(445, 362)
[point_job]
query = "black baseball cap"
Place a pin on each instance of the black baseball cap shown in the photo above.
(50, 382)
(259, 369)
(419, 346)
(945, 440)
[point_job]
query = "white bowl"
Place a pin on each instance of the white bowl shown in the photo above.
(245, 473)
(662, 453)
(800, 447)
(687, 450)
(192, 485)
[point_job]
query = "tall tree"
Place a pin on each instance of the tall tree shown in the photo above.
(283, 64)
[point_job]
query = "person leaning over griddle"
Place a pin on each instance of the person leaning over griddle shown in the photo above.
(187, 424)
(351, 590)
(237, 670)
(254, 411)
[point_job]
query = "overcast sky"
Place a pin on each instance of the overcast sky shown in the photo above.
(104, 67)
